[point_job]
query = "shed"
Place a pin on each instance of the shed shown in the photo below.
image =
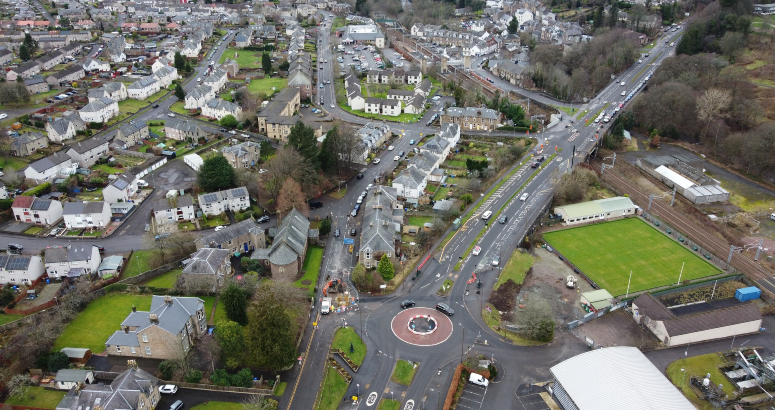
(597, 299)
(66, 379)
(110, 266)
(77, 355)
(443, 205)
(194, 161)
(597, 210)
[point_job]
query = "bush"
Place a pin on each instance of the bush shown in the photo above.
(95, 125)
(115, 287)
(166, 369)
(453, 387)
(242, 379)
(194, 376)
(40, 124)
(5, 204)
(39, 190)
(220, 378)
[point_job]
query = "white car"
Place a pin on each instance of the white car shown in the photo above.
(360, 200)
(262, 171)
(624, 93)
(368, 187)
(376, 160)
(477, 251)
(168, 389)
(3, 115)
(218, 228)
(244, 135)
(524, 197)
(171, 115)
(333, 106)
(232, 132)
(390, 148)
(396, 158)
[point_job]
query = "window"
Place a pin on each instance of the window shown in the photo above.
(147, 350)
(132, 349)
(118, 349)
(145, 338)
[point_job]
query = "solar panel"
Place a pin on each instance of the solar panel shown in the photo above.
(3, 260)
(211, 197)
(40, 204)
(239, 192)
(18, 263)
(120, 183)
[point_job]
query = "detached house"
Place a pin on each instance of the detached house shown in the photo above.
(72, 261)
(26, 144)
(37, 211)
(133, 389)
(170, 328)
(183, 130)
(17, 270)
(47, 169)
(87, 152)
(60, 129)
(243, 155)
(91, 64)
(231, 199)
(144, 88)
(218, 108)
(289, 247)
(206, 270)
(81, 215)
(244, 236)
(120, 189)
(172, 210)
(100, 111)
(115, 49)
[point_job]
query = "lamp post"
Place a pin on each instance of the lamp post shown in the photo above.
(359, 389)
(683, 380)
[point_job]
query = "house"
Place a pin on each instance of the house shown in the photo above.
(361, 34)
(91, 64)
(438, 146)
(597, 210)
(50, 60)
(120, 189)
(198, 96)
(243, 38)
(289, 247)
(191, 49)
(166, 75)
(244, 155)
(391, 108)
(216, 80)
(300, 75)
(401, 95)
(116, 91)
(60, 129)
(373, 105)
(131, 133)
(682, 325)
(242, 237)
(47, 169)
(86, 24)
(206, 269)
(68, 75)
(413, 77)
(71, 261)
(114, 50)
(26, 70)
(352, 88)
(601, 379)
(167, 331)
(87, 152)
(278, 117)
(143, 88)
(218, 108)
(6, 56)
(77, 355)
(183, 130)
(36, 85)
(216, 203)
(231, 67)
(509, 71)
(17, 270)
(99, 111)
(415, 105)
(472, 118)
(134, 389)
(66, 379)
(372, 136)
(164, 61)
(378, 235)
(423, 88)
(81, 215)
(172, 210)
(450, 132)
(27, 143)
(410, 184)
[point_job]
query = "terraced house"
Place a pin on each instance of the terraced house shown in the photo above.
(131, 133)
(114, 90)
(101, 110)
(218, 108)
(36, 211)
(80, 215)
(144, 88)
(183, 130)
(172, 210)
(244, 236)
(68, 75)
(217, 203)
(87, 152)
(72, 261)
(472, 118)
(278, 117)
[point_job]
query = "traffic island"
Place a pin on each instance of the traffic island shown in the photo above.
(446, 287)
(421, 326)
(404, 372)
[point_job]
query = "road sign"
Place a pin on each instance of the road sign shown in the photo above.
(349, 241)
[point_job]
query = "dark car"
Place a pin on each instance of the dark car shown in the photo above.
(14, 248)
(156, 106)
(407, 304)
(503, 219)
(177, 405)
(445, 309)
(353, 232)
(541, 158)
(359, 176)
(262, 219)
(401, 154)
(315, 204)
(535, 165)
(101, 249)
(222, 130)
(337, 233)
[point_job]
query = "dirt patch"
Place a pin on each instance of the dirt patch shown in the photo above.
(306, 282)
(615, 329)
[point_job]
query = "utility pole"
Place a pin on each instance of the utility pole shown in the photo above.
(729, 258)
(672, 200)
(759, 249)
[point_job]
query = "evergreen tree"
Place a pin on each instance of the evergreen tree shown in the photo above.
(385, 268)
(180, 61)
(513, 26)
(235, 303)
(266, 63)
(216, 174)
(24, 53)
(302, 138)
(31, 44)
(180, 93)
(188, 67)
(598, 19)
(271, 344)
(327, 156)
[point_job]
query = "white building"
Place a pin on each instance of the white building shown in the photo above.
(36, 211)
(101, 110)
(143, 88)
(216, 80)
(172, 210)
(16, 270)
(166, 75)
(116, 91)
(72, 261)
(51, 167)
(218, 108)
(91, 64)
(87, 152)
(231, 199)
(597, 210)
(60, 129)
(410, 184)
(120, 189)
(80, 215)
(198, 96)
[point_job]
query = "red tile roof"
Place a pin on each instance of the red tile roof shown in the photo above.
(22, 202)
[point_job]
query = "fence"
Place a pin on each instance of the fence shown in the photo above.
(232, 389)
(594, 315)
(34, 309)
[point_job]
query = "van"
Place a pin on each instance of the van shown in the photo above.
(487, 215)
(478, 379)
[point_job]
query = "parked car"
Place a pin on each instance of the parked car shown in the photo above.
(177, 405)
(219, 228)
(359, 176)
(390, 148)
(337, 233)
(315, 204)
(262, 219)
(156, 106)
(171, 115)
(376, 160)
(14, 248)
(168, 389)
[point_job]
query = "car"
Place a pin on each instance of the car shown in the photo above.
(244, 135)
(156, 106)
(14, 248)
(524, 197)
(396, 158)
(359, 200)
(368, 187)
(622, 84)
(321, 85)
(503, 219)
(337, 233)
(263, 171)
(390, 148)
(535, 165)
(621, 105)
(359, 176)
(332, 105)
(219, 228)
(478, 380)
(232, 132)
(542, 158)
(91, 189)
(407, 304)
(445, 309)
(177, 405)
(222, 130)
(171, 115)
(168, 389)
(353, 232)
(263, 219)
(477, 251)
(376, 160)
(315, 204)
(354, 213)
(411, 142)
(401, 153)
(624, 93)
(496, 261)
(3, 115)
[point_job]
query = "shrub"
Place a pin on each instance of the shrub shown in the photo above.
(220, 378)
(95, 125)
(40, 124)
(194, 376)
(453, 387)
(166, 368)
(39, 190)
(115, 287)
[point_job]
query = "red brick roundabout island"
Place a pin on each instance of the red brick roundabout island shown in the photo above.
(422, 326)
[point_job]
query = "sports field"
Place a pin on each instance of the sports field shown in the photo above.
(606, 252)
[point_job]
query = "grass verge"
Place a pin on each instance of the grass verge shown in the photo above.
(404, 372)
(218, 405)
(333, 389)
(338, 194)
(311, 269)
(387, 404)
(281, 389)
(342, 339)
(515, 269)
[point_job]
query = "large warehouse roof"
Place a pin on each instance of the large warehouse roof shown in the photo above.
(617, 378)
(596, 207)
(677, 178)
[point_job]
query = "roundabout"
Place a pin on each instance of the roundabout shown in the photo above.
(421, 326)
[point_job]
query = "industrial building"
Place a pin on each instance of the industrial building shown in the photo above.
(598, 210)
(685, 174)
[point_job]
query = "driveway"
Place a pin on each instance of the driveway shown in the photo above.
(193, 397)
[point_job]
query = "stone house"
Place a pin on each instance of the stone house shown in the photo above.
(244, 155)
(242, 237)
(131, 133)
(27, 143)
(183, 130)
(134, 388)
(472, 118)
(206, 269)
(289, 247)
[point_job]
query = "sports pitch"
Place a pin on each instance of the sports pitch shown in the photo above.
(606, 252)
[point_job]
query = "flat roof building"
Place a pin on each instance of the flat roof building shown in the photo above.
(597, 210)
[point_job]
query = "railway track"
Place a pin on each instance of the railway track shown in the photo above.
(708, 241)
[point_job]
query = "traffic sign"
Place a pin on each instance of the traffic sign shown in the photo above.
(349, 241)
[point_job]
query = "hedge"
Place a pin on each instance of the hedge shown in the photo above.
(453, 387)
(39, 190)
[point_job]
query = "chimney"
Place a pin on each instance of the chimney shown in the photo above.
(168, 300)
(153, 318)
(134, 309)
(126, 329)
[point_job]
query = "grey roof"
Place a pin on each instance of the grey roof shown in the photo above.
(222, 195)
(142, 83)
(10, 262)
(112, 86)
(436, 144)
(97, 105)
(25, 67)
(199, 91)
(112, 262)
(25, 139)
(60, 125)
(172, 318)
(241, 150)
(410, 177)
(219, 104)
(69, 70)
(83, 208)
(163, 204)
(207, 261)
(74, 352)
(131, 127)
(121, 393)
(34, 80)
(403, 93)
(378, 232)
(72, 254)
(472, 112)
(72, 375)
(231, 232)
(123, 180)
(182, 125)
(290, 240)
(85, 146)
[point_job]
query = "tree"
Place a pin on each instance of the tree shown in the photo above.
(235, 304)
(539, 326)
(22, 93)
(302, 138)
(291, 196)
(712, 105)
(385, 268)
(229, 121)
(188, 67)
(467, 199)
(64, 22)
(270, 342)
(180, 61)
(167, 369)
(216, 174)
(287, 162)
(179, 92)
(30, 43)
(361, 7)
(327, 158)
(266, 63)
(18, 386)
(513, 26)
(284, 66)
(251, 265)
(231, 337)
(325, 227)
(258, 402)
(57, 361)
(24, 53)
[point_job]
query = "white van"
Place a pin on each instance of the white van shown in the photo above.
(487, 215)
(478, 379)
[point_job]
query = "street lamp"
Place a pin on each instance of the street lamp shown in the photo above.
(683, 381)
(358, 385)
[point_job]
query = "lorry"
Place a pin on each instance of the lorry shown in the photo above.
(325, 306)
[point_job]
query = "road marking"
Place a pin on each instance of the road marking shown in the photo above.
(409, 405)
(371, 399)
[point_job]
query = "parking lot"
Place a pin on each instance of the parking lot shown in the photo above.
(471, 397)
(365, 58)
(529, 398)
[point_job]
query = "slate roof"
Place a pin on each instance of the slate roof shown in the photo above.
(410, 177)
(402, 93)
(74, 253)
(231, 232)
(25, 67)
(207, 261)
(123, 180)
(172, 317)
(83, 208)
(142, 83)
(72, 375)
(131, 127)
(290, 240)
(121, 393)
(33, 81)
(112, 86)
(378, 233)
(97, 105)
(25, 139)
(85, 146)
(222, 105)
(182, 125)
(163, 204)
(69, 70)
(240, 150)
(219, 196)
(50, 161)
(436, 144)
(60, 125)
(472, 112)
(199, 91)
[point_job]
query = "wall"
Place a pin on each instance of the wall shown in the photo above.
(136, 154)
(717, 333)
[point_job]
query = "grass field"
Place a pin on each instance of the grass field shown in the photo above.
(342, 339)
(166, 280)
(311, 269)
(12, 162)
(607, 252)
(404, 372)
(39, 397)
(265, 85)
(94, 325)
(220, 311)
(515, 269)
(245, 59)
(6, 318)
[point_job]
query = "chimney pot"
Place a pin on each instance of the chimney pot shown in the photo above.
(134, 309)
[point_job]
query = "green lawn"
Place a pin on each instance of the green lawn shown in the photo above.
(245, 59)
(140, 263)
(130, 105)
(515, 269)
(213, 221)
(95, 324)
(419, 220)
(107, 169)
(218, 405)
(178, 108)
(39, 397)
(12, 162)
(404, 372)
(220, 311)
(156, 97)
(33, 230)
(166, 280)
(338, 194)
(456, 163)
(280, 389)
(606, 252)
(5, 318)
(441, 193)
(342, 339)
(311, 269)
(698, 366)
(265, 85)
(388, 404)
(333, 389)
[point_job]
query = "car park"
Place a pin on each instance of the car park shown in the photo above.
(444, 308)
(407, 304)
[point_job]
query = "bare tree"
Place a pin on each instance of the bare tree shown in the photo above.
(287, 162)
(18, 386)
(292, 196)
(258, 402)
(208, 350)
(169, 247)
(712, 105)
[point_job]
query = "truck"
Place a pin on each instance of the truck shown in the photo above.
(325, 306)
